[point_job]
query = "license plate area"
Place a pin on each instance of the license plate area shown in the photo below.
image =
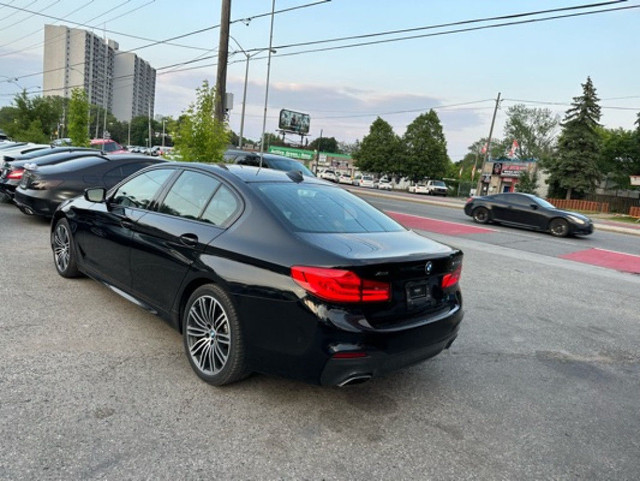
(418, 293)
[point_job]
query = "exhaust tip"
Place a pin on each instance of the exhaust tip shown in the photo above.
(357, 379)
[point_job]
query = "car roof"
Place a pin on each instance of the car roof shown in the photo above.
(245, 173)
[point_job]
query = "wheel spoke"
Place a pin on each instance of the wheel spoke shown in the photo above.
(197, 346)
(197, 331)
(220, 321)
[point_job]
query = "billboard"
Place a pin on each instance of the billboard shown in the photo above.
(294, 122)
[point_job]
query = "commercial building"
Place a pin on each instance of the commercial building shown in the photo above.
(120, 82)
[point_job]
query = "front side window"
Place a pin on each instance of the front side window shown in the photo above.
(140, 191)
(189, 195)
(317, 208)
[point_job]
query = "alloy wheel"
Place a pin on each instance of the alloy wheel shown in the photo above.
(62, 247)
(208, 335)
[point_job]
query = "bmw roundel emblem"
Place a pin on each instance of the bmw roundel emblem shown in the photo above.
(428, 267)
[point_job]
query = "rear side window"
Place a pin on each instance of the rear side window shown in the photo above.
(316, 208)
(223, 206)
(140, 191)
(189, 195)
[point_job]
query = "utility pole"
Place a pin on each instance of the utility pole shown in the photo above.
(488, 151)
(318, 155)
(223, 54)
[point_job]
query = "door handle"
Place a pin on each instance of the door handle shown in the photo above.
(189, 239)
(127, 224)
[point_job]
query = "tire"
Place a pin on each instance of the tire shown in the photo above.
(64, 250)
(212, 336)
(481, 215)
(559, 228)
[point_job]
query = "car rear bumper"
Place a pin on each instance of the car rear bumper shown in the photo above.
(34, 205)
(378, 362)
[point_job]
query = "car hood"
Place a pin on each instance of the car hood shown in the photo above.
(574, 214)
(377, 246)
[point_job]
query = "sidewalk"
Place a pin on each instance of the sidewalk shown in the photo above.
(603, 222)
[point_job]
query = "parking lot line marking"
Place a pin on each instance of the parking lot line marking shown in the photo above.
(605, 258)
(437, 226)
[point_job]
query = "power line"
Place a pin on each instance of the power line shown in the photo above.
(436, 34)
(451, 24)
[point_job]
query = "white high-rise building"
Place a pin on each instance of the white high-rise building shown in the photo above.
(120, 82)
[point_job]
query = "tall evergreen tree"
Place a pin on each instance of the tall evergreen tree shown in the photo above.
(575, 166)
(426, 148)
(380, 150)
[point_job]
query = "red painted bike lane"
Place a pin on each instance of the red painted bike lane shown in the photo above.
(604, 258)
(437, 226)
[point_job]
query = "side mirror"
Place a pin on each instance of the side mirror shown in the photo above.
(95, 194)
(534, 206)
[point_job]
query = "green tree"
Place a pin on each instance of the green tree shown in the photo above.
(534, 129)
(620, 155)
(33, 119)
(78, 123)
(380, 150)
(574, 168)
(200, 137)
(325, 144)
(426, 148)
(528, 182)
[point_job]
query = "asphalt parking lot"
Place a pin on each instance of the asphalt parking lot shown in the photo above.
(541, 384)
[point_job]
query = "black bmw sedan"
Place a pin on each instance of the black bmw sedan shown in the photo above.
(43, 188)
(528, 211)
(266, 271)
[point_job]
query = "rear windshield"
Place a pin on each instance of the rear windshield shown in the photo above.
(318, 208)
(288, 164)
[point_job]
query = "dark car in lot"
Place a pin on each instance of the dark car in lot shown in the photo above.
(12, 172)
(267, 271)
(269, 161)
(41, 190)
(527, 211)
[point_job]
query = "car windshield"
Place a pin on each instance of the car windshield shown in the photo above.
(439, 183)
(110, 146)
(544, 203)
(322, 209)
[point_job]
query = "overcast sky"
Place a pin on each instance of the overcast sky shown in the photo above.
(456, 69)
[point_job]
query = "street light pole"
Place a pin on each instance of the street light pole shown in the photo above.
(244, 99)
(266, 93)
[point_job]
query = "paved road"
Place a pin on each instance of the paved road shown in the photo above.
(541, 384)
(598, 244)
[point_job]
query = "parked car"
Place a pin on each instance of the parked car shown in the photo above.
(108, 146)
(436, 187)
(385, 184)
(345, 179)
(356, 179)
(10, 152)
(269, 161)
(418, 188)
(329, 175)
(368, 181)
(268, 271)
(41, 190)
(528, 211)
(12, 172)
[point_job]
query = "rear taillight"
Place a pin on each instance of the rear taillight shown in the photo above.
(340, 285)
(452, 278)
(15, 174)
